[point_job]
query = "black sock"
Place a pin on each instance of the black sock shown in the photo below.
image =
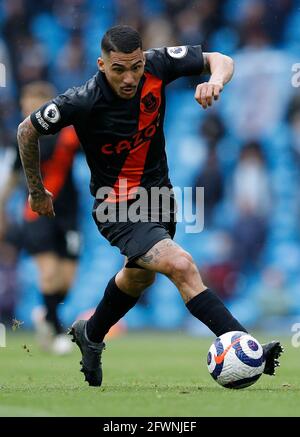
(113, 306)
(51, 302)
(210, 310)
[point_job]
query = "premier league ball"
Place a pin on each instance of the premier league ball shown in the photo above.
(236, 360)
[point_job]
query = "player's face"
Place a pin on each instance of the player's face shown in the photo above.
(30, 104)
(123, 71)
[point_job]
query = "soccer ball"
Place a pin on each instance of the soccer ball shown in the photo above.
(236, 360)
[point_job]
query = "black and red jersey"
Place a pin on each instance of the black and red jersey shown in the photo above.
(122, 139)
(56, 156)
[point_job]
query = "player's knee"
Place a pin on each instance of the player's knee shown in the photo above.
(141, 282)
(181, 266)
(134, 282)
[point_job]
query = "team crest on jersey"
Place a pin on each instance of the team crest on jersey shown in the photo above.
(51, 113)
(150, 103)
(177, 52)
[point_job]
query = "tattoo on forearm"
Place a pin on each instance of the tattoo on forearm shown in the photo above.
(30, 156)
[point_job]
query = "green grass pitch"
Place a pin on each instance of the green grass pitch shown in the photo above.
(144, 375)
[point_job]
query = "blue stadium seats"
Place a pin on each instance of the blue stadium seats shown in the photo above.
(240, 102)
(44, 27)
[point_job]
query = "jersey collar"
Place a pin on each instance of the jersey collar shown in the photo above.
(105, 87)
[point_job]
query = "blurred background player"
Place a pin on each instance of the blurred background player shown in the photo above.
(54, 243)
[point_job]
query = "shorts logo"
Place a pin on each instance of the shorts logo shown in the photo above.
(150, 103)
(177, 52)
(51, 113)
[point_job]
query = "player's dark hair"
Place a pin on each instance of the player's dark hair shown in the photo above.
(121, 38)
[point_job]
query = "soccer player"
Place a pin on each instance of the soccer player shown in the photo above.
(54, 243)
(118, 116)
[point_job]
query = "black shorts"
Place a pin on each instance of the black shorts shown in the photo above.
(59, 235)
(134, 239)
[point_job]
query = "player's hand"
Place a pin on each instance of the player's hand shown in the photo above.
(207, 92)
(41, 203)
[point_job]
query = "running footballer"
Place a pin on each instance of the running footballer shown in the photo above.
(118, 116)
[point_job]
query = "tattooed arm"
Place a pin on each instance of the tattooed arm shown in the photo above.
(40, 199)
